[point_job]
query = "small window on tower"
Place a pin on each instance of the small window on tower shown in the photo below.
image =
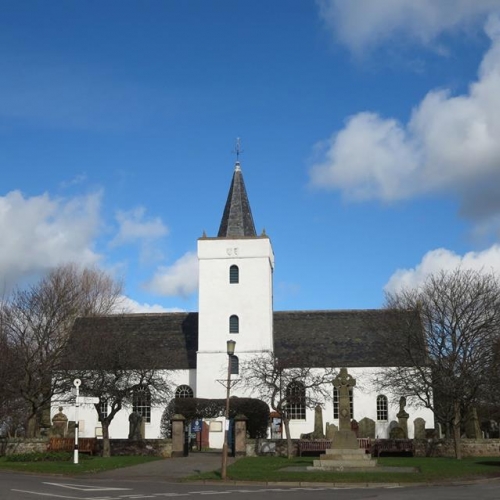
(234, 274)
(234, 324)
(235, 365)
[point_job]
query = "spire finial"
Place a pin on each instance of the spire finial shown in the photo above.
(237, 150)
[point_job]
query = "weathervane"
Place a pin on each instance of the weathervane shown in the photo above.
(237, 149)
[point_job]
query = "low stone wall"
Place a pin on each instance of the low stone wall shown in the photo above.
(18, 446)
(153, 447)
(446, 448)
(269, 447)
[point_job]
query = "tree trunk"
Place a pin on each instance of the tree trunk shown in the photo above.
(106, 447)
(289, 444)
(456, 432)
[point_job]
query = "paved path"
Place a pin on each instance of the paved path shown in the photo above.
(169, 469)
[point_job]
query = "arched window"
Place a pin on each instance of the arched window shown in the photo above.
(142, 403)
(336, 403)
(235, 365)
(296, 401)
(234, 274)
(184, 391)
(382, 408)
(234, 324)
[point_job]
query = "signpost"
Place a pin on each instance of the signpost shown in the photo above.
(77, 382)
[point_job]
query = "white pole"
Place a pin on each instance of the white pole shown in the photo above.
(77, 382)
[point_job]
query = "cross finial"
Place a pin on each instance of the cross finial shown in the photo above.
(237, 149)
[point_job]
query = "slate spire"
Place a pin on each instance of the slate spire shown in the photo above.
(237, 220)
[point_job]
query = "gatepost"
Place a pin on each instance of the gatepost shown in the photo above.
(178, 438)
(240, 435)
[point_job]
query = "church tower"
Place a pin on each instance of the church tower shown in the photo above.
(235, 291)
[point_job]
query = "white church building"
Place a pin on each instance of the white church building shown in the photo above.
(236, 302)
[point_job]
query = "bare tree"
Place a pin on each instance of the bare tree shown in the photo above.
(36, 322)
(284, 386)
(117, 367)
(445, 350)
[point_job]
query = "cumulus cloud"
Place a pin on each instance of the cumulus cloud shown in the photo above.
(179, 279)
(364, 24)
(449, 144)
(133, 227)
(41, 232)
(444, 260)
(127, 305)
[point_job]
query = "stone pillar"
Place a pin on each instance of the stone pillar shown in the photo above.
(178, 422)
(318, 423)
(240, 435)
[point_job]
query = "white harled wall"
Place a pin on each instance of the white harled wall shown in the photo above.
(119, 428)
(365, 405)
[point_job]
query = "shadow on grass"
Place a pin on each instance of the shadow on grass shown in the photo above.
(489, 462)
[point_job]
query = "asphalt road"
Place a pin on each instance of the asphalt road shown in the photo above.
(17, 486)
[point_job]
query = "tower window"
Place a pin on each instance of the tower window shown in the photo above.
(234, 274)
(235, 365)
(234, 324)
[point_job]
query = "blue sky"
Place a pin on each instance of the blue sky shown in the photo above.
(370, 132)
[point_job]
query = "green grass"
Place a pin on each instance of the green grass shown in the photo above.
(86, 464)
(430, 470)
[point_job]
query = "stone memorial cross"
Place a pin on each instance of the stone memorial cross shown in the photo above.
(344, 382)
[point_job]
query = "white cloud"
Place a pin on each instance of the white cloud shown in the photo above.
(446, 260)
(449, 144)
(364, 24)
(134, 227)
(179, 279)
(41, 232)
(129, 306)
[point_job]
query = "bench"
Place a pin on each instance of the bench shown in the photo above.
(85, 445)
(392, 446)
(322, 445)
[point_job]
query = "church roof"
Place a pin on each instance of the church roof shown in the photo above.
(172, 337)
(350, 338)
(237, 220)
(353, 338)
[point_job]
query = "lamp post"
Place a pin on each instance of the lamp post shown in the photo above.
(230, 351)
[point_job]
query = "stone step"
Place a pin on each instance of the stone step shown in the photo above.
(347, 456)
(338, 451)
(335, 464)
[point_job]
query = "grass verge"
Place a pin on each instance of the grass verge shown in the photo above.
(86, 464)
(270, 469)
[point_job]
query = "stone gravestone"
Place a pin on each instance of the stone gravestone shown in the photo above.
(318, 423)
(135, 421)
(59, 424)
(331, 429)
(403, 417)
(419, 428)
(366, 428)
(345, 451)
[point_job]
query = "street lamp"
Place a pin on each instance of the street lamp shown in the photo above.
(230, 351)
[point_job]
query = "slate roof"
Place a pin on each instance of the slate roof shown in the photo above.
(237, 220)
(350, 338)
(353, 338)
(172, 336)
